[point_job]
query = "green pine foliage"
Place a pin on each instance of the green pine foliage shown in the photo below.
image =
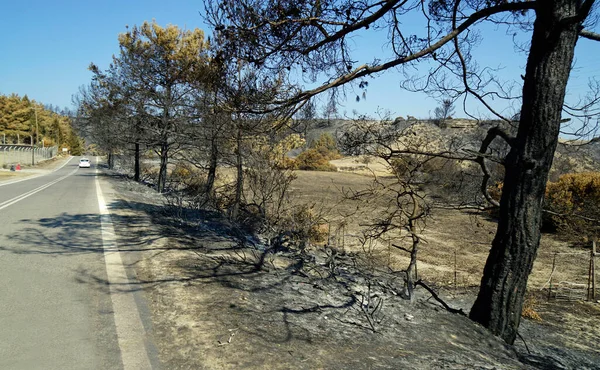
(18, 118)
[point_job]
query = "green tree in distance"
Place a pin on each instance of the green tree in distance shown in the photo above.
(22, 120)
(154, 81)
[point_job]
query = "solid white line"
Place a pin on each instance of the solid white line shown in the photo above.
(62, 165)
(36, 176)
(19, 198)
(130, 330)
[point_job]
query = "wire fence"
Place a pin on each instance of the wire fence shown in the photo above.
(559, 275)
(573, 276)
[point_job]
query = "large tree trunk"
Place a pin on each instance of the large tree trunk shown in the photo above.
(499, 303)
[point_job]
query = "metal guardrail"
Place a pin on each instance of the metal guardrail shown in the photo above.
(25, 154)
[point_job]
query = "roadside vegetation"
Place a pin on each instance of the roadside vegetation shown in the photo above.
(23, 120)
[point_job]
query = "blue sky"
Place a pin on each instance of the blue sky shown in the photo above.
(46, 48)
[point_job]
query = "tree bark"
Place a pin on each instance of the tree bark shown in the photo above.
(111, 160)
(136, 165)
(212, 167)
(499, 303)
(239, 185)
(162, 173)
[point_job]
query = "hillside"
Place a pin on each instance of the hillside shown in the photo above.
(466, 134)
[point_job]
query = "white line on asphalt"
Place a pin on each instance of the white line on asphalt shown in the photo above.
(19, 198)
(130, 330)
(36, 176)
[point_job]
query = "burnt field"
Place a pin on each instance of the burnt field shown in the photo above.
(217, 302)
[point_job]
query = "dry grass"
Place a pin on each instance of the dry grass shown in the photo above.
(362, 165)
(455, 243)
(7, 175)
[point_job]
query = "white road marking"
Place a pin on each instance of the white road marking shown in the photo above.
(36, 176)
(130, 330)
(19, 198)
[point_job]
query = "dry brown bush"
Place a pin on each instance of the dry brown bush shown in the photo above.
(306, 225)
(317, 157)
(574, 202)
(148, 173)
(188, 178)
(529, 309)
(314, 160)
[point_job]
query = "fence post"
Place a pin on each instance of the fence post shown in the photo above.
(551, 274)
(455, 272)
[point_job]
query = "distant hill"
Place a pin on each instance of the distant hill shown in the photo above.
(571, 156)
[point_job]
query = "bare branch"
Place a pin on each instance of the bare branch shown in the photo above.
(366, 70)
(589, 35)
(389, 5)
(491, 135)
(437, 298)
(402, 248)
(463, 64)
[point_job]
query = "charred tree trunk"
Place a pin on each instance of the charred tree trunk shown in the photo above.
(239, 185)
(162, 173)
(411, 271)
(499, 303)
(212, 167)
(214, 148)
(136, 165)
(164, 143)
(111, 160)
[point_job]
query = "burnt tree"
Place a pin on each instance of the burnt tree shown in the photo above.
(499, 303)
(313, 38)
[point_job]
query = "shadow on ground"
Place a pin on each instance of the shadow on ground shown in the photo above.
(220, 300)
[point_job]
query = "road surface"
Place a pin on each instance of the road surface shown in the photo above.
(57, 257)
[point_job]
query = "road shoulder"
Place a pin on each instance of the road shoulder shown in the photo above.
(29, 172)
(132, 318)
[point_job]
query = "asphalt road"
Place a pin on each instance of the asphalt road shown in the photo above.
(56, 309)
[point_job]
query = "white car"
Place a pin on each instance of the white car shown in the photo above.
(84, 163)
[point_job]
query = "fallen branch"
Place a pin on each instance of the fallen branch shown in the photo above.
(525, 343)
(437, 298)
